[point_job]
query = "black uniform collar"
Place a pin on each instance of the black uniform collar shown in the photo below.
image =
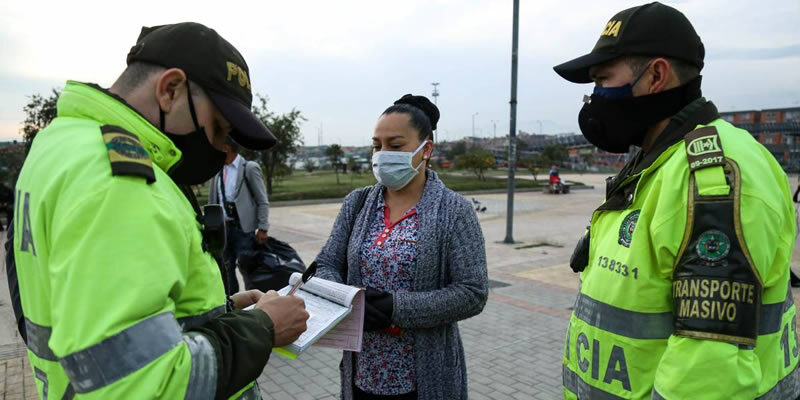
(698, 112)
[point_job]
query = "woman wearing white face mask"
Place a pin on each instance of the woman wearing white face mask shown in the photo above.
(418, 249)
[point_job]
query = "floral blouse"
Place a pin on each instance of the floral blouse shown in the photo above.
(386, 363)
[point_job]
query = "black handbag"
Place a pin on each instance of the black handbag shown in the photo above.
(269, 267)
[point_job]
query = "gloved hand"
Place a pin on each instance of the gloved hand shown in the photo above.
(580, 256)
(378, 310)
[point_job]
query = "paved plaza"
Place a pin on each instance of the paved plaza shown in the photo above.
(514, 348)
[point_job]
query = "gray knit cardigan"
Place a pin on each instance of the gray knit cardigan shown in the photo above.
(450, 283)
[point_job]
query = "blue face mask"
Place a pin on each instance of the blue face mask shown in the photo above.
(393, 169)
(619, 92)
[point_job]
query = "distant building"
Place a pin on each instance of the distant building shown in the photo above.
(569, 140)
(9, 143)
(316, 156)
(778, 129)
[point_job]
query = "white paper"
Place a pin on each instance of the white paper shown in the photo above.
(336, 292)
(327, 302)
(322, 313)
(348, 334)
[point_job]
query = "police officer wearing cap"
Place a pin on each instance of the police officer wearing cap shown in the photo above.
(121, 294)
(685, 266)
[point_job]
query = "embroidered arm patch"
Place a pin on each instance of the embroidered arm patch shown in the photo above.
(716, 290)
(703, 148)
(126, 154)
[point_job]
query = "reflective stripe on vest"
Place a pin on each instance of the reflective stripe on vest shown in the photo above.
(772, 314)
(132, 349)
(69, 394)
(632, 324)
(786, 388)
(122, 354)
(639, 325)
(39, 335)
(583, 390)
(40, 375)
(194, 321)
(203, 374)
(38, 339)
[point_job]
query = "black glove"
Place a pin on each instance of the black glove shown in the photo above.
(378, 310)
(580, 256)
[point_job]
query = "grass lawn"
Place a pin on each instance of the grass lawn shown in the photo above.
(322, 185)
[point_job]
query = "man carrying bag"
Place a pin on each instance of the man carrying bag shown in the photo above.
(239, 188)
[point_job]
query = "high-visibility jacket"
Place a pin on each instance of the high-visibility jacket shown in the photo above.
(115, 284)
(686, 292)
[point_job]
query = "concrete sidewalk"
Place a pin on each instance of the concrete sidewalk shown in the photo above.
(513, 349)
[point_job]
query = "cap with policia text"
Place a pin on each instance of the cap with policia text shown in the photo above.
(649, 30)
(215, 65)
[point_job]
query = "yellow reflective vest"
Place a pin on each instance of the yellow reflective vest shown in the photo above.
(686, 292)
(110, 260)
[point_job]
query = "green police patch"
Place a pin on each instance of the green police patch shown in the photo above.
(713, 245)
(126, 147)
(627, 228)
(126, 153)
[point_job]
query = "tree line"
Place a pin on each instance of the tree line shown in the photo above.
(479, 160)
(41, 109)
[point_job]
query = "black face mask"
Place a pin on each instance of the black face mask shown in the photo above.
(614, 124)
(199, 159)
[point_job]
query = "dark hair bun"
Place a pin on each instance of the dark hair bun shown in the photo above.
(422, 103)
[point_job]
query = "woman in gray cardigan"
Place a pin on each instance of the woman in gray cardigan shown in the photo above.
(418, 249)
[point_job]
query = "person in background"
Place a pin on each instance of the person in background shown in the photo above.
(6, 205)
(554, 177)
(418, 249)
(239, 188)
(793, 278)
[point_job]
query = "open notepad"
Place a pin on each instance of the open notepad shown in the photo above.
(336, 316)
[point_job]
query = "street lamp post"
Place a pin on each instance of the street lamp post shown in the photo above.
(435, 93)
(512, 137)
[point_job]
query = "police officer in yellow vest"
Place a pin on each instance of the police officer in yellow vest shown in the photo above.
(121, 294)
(685, 267)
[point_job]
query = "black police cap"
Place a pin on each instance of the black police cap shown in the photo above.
(215, 65)
(652, 29)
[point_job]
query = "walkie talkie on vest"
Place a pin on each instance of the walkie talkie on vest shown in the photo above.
(214, 229)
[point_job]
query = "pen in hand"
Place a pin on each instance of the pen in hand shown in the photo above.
(309, 272)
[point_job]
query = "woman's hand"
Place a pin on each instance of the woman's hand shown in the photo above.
(378, 310)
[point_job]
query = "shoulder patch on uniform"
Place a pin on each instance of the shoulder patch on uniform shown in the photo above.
(126, 153)
(627, 227)
(703, 148)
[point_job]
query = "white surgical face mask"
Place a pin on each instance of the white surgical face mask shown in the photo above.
(393, 169)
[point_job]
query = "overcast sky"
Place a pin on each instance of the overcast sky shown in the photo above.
(342, 62)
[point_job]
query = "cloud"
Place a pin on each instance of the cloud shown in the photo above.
(341, 63)
(756, 54)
